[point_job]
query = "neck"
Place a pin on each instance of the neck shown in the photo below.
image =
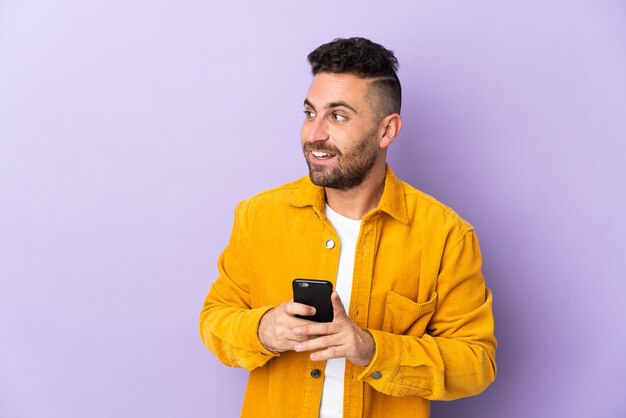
(354, 203)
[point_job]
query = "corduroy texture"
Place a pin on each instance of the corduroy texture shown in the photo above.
(417, 288)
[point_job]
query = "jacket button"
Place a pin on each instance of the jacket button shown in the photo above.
(315, 373)
(377, 375)
(330, 244)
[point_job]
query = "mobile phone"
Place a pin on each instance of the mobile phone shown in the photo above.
(314, 293)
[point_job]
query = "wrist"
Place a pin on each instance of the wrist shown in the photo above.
(371, 347)
(368, 349)
(261, 334)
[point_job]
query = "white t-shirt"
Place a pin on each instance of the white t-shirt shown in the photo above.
(348, 231)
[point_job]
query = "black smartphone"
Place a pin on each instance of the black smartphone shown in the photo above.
(314, 293)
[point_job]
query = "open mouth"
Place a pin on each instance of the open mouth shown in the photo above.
(321, 155)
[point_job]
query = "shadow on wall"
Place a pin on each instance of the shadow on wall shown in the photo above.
(435, 154)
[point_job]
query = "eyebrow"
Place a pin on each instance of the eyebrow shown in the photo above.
(331, 105)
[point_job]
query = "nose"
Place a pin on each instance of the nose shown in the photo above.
(315, 130)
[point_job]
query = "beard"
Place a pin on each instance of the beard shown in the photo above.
(349, 169)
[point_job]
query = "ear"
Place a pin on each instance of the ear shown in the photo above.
(392, 125)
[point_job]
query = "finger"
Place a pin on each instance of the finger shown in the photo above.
(320, 343)
(295, 308)
(315, 328)
(294, 339)
(327, 354)
(339, 312)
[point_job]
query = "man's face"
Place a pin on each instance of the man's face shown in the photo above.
(340, 133)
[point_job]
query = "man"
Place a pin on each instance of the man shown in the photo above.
(412, 317)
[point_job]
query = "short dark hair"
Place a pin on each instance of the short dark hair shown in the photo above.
(365, 59)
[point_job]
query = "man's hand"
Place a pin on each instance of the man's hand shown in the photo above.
(276, 326)
(341, 338)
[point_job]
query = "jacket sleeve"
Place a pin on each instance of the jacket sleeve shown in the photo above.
(455, 356)
(228, 324)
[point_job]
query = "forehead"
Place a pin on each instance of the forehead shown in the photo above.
(329, 88)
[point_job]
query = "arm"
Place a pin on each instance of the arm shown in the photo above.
(239, 335)
(228, 324)
(456, 357)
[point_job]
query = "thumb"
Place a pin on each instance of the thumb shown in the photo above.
(339, 312)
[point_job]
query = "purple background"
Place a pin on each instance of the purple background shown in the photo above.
(129, 131)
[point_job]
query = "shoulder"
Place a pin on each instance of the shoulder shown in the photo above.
(424, 208)
(277, 196)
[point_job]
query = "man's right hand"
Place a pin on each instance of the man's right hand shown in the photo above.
(276, 326)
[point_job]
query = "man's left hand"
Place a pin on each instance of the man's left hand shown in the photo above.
(341, 338)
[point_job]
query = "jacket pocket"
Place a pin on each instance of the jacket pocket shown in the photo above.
(406, 317)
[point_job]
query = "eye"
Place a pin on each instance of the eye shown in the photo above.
(308, 114)
(336, 117)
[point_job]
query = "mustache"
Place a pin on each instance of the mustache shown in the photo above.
(320, 146)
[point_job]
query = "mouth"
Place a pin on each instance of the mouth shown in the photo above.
(321, 155)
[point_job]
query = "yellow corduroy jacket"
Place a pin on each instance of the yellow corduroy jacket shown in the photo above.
(417, 288)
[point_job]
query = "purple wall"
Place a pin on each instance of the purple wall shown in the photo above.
(129, 130)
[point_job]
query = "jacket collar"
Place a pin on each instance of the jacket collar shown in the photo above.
(392, 202)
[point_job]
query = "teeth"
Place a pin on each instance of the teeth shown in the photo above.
(320, 154)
